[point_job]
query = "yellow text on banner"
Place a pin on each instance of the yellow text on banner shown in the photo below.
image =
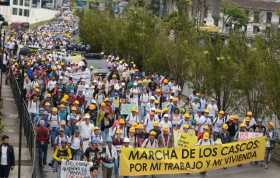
(145, 161)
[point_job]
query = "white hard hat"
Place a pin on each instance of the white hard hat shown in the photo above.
(166, 115)
(126, 140)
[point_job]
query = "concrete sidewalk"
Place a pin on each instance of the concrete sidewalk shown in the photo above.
(11, 128)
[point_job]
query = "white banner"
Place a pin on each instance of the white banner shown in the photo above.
(75, 169)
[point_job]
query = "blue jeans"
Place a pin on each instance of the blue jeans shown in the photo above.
(54, 131)
(105, 134)
(43, 153)
(116, 167)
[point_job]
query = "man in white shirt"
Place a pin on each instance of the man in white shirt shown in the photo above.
(7, 157)
(85, 128)
(212, 108)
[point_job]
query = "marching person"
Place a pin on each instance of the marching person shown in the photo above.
(60, 154)
(109, 154)
(271, 140)
(151, 141)
(7, 157)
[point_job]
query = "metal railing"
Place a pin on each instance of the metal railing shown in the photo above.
(27, 123)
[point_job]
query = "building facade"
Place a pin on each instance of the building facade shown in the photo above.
(27, 11)
(263, 15)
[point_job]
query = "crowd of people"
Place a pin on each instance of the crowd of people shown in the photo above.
(80, 116)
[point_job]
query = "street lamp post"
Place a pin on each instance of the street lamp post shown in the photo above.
(2, 42)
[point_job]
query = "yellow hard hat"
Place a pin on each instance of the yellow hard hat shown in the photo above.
(187, 116)
(153, 133)
(165, 110)
(106, 99)
(206, 136)
(121, 121)
(134, 109)
(157, 102)
(225, 126)
(76, 102)
(206, 111)
(103, 104)
(165, 81)
(221, 113)
(54, 109)
(242, 125)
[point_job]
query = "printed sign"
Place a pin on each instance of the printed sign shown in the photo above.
(126, 108)
(75, 169)
(151, 161)
(248, 135)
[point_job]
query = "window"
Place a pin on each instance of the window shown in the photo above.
(256, 17)
(268, 17)
(21, 2)
(256, 29)
(15, 2)
(15, 10)
(20, 12)
(26, 12)
(27, 3)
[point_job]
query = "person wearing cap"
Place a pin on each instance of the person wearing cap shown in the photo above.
(165, 122)
(60, 137)
(109, 156)
(233, 126)
(151, 141)
(93, 111)
(96, 135)
(253, 122)
(126, 143)
(225, 135)
(201, 122)
(93, 153)
(247, 121)
(272, 136)
(148, 122)
(85, 128)
(165, 139)
(53, 124)
(133, 117)
(121, 127)
(217, 125)
(61, 153)
(62, 112)
(140, 135)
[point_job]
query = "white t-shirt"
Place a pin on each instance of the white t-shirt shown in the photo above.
(4, 158)
(85, 129)
(213, 109)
